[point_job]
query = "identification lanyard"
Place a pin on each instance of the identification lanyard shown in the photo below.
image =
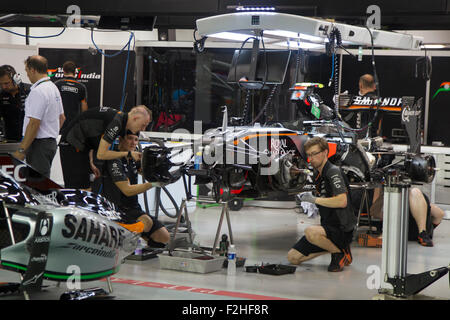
(41, 83)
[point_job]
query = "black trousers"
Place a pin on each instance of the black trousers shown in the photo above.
(75, 167)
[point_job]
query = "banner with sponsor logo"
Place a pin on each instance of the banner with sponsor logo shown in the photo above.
(396, 75)
(89, 69)
(114, 78)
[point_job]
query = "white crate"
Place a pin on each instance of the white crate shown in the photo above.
(186, 261)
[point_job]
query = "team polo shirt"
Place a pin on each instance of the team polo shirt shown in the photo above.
(72, 94)
(44, 103)
(117, 170)
(328, 184)
(87, 129)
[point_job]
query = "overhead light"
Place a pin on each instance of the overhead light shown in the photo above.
(242, 8)
(303, 45)
(233, 36)
(433, 46)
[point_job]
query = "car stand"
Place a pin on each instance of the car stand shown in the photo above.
(395, 281)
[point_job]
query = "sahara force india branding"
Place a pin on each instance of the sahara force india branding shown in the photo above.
(58, 73)
(92, 232)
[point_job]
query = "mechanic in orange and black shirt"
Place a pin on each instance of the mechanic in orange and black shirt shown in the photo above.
(12, 102)
(73, 93)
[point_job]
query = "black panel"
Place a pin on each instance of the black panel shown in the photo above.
(395, 15)
(114, 72)
(127, 22)
(439, 112)
(107, 7)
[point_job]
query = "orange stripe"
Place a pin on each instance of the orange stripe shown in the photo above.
(444, 83)
(70, 80)
(264, 134)
(373, 107)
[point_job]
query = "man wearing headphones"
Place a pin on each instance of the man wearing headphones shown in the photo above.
(12, 102)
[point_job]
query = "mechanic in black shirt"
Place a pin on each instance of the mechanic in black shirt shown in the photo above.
(337, 219)
(96, 129)
(120, 185)
(73, 93)
(360, 119)
(12, 102)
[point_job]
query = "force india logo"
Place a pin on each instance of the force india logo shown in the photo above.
(58, 73)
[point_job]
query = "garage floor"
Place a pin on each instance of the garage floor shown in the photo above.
(262, 235)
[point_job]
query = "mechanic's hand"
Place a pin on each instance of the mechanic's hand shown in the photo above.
(306, 197)
(137, 156)
(95, 171)
(19, 155)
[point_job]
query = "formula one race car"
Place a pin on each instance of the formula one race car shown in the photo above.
(259, 161)
(58, 234)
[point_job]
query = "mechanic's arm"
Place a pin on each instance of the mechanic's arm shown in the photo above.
(103, 152)
(339, 201)
(30, 134)
(62, 118)
(84, 105)
(133, 189)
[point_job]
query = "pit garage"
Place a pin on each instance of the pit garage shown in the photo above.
(237, 96)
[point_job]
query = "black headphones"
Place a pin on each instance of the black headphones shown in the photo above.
(15, 77)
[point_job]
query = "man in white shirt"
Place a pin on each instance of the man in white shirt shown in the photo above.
(44, 116)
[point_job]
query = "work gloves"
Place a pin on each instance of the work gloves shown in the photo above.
(306, 197)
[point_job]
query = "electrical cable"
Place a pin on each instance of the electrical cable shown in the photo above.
(127, 45)
(114, 54)
(376, 101)
(269, 99)
(34, 37)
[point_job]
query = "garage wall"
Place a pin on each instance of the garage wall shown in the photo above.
(15, 56)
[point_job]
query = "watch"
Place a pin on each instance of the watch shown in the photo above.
(21, 150)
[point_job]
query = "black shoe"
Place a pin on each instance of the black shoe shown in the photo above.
(338, 261)
(424, 239)
(153, 244)
(348, 255)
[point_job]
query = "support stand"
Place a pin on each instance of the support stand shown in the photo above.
(394, 279)
(13, 241)
(183, 206)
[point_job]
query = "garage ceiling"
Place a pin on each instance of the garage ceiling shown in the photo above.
(181, 14)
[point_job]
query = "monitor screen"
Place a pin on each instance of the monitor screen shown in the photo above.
(276, 66)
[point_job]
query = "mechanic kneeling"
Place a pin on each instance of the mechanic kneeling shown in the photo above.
(120, 187)
(337, 222)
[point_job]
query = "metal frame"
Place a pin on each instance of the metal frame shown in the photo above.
(394, 278)
(251, 23)
(183, 206)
